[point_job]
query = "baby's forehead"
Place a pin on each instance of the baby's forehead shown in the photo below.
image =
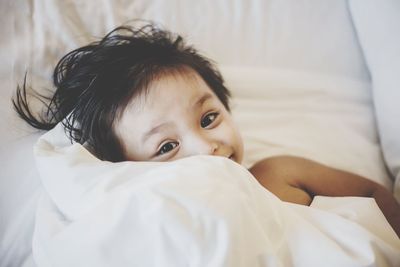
(177, 87)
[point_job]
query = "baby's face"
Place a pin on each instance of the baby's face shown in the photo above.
(179, 117)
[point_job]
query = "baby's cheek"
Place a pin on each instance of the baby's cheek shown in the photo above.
(239, 148)
(237, 142)
(234, 139)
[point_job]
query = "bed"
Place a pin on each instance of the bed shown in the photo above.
(316, 79)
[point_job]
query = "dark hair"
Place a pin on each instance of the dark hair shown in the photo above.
(95, 83)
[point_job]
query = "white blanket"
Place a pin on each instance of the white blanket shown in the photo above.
(198, 211)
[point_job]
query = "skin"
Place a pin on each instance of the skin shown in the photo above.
(180, 116)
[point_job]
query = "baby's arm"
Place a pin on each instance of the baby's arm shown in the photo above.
(298, 180)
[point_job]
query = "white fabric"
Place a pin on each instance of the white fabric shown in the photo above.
(198, 211)
(378, 28)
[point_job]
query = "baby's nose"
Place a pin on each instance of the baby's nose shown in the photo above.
(205, 146)
(209, 147)
(213, 148)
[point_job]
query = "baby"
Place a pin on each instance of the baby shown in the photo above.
(144, 95)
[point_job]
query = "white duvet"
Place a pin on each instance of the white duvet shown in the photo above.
(197, 211)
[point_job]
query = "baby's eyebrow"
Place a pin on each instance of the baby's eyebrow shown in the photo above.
(155, 129)
(201, 100)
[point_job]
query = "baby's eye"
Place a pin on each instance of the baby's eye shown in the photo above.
(208, 119)
(167, 147)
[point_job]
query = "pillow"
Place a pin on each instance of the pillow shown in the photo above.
(325, 118)
(378, 27)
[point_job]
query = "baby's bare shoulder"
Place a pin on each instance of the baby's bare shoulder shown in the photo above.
(281, 165)
(280, 176)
